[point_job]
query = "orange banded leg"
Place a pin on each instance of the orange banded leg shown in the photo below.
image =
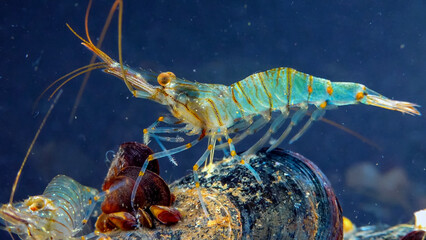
(152, 130)
(234, 155)
(195, 168)
(225, 151)
(93, 201)
(158, 155)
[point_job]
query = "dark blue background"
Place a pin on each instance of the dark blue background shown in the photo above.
(379, 44)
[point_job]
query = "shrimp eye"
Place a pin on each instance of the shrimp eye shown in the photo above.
(37, 204)
(165, 78)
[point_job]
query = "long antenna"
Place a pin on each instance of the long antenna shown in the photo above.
(352, 132)
(92, 60)
(18, 175)
(120, 55)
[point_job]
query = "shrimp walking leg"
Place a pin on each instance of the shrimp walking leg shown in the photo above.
(159, 140)
(316, 115)
(225, 151)
(93, 199)
(213, 143)
(164, 149)
(235, 156)
(294, 120)
(152, 130)
(253, 128)
(168, 130)
(176, 139)
(157, 156)
(176, 150)
(276, 124)
(203, 158)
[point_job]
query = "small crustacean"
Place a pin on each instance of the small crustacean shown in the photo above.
(59, 213)
(56, 214)
(217, 111)
(153, 192)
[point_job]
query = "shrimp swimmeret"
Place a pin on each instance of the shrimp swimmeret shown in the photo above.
(217, 111)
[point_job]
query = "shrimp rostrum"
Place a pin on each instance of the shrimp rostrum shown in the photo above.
(216, 111)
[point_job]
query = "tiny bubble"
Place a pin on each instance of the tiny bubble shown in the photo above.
(26, 55)
(249, 24)
(402, 46)
(194, 70)
(75, 117)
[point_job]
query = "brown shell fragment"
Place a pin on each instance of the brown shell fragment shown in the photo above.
(103, 224)
(123, 220)
(119, 199)
(166, 215)
(145, 219)
(152, 190)
(118, 212)
(130, 154)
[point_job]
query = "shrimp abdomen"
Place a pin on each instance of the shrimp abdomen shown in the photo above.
(285, 87)
(73, 199)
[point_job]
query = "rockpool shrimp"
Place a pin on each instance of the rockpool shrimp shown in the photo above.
(217, 111)
(56, 214)
(61, 212)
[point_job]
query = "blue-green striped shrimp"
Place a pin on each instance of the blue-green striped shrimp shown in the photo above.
(217, 111)
(59, 213)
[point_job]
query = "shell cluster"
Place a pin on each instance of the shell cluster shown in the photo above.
(153, 196)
